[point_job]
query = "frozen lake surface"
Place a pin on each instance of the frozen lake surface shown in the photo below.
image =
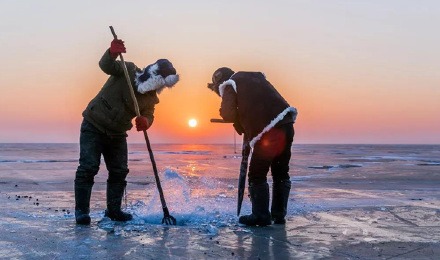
(343, 198)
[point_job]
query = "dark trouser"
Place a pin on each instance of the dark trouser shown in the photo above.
(272, 151)
(93, 143)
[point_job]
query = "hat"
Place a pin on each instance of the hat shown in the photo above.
(220, 76)
(156, 76)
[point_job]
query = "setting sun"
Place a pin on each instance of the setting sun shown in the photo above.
(192, 123)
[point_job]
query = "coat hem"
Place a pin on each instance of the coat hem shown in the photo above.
(273, 123)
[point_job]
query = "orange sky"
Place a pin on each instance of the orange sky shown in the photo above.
(356, 72)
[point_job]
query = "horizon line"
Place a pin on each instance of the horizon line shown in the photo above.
(233, 143)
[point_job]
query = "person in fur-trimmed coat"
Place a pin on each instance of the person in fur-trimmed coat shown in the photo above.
(107, 118)
(266, 119)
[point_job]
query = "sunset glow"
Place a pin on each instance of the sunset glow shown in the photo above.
(357, 71)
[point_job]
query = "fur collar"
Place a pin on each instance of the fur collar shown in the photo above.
(221, 88)
(155, 81)
(230, 81)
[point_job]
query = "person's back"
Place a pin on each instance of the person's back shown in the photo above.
(266, 119)
(258, 102)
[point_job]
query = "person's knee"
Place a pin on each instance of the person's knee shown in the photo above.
(258, 175)
(85, 176)
(87, 167)
(280, 170)
(281, 178)
(257, 180)
(280, 173)
(117, 176)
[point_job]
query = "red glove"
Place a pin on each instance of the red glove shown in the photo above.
(141, 123)
(117, 46)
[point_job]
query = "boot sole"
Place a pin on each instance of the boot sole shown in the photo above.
(279, 221)
(113, 218)
(86, 221)
(260, 224)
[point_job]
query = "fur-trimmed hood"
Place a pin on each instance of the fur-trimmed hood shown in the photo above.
(220, 75)
(156, 76)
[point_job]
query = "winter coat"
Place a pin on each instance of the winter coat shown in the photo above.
(112, 110)
(250, 100)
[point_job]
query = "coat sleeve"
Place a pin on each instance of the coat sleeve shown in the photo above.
(228, 109)
(110, 66)
(148, 110)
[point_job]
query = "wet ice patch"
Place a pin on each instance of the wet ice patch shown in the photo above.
(138, 152)
(298, 178)
(39, 161)
(138, 160)
(212, 230)
(384, 158)
(209, 183)
(185, 152)
(119, 228)
(170, 174)
(429, 164)
(205, 204)
(339, 166)
(232, 156)
(145, 219)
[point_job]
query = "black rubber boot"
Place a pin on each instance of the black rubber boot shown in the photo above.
(260, 216)
(83, 192)
(280, 198)
(115, 192)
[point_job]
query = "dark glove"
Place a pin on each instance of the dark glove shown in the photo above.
(116, 47)
(238, 128)
(141, 123)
